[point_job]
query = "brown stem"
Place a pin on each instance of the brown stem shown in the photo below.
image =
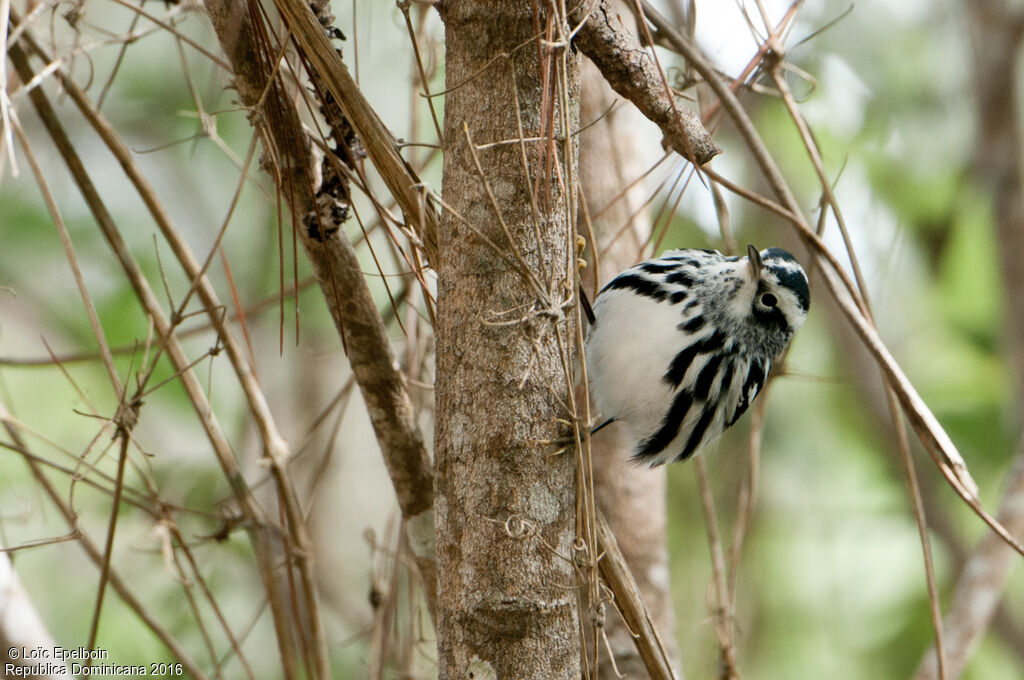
(94, 552)
(632, 71)
(261, 533)
(996, 33)
(334, 259)
(631, 606)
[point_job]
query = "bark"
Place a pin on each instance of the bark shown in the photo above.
(633, 72)
(654, 660)
(632, 498)
(507, 604)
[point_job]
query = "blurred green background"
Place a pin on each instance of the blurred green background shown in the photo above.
(831, 583)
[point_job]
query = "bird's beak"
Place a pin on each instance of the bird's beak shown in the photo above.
(754, 258)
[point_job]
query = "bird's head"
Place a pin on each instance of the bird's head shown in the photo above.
(766, 300)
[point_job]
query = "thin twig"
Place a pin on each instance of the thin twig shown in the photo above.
(723, 611)
(258, 527)
(335, 262)
(114, 578)
(378, 140)
(903, 444)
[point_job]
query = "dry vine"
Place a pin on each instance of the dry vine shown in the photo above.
(336, 165)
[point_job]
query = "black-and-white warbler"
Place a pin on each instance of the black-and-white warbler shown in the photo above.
(680, 346)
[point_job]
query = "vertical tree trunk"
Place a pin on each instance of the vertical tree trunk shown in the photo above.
(507, 604)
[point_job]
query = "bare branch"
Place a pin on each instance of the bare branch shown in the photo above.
(385, 392)
(338, 271)
(633, 73)
(380, 145)
(899, 428)
(996, 34)
(631, 605)
(94, 553)
(263, 537)
(981, 584)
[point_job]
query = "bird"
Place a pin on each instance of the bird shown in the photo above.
(679, 346)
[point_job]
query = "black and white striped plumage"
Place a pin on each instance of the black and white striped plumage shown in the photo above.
(681, 345)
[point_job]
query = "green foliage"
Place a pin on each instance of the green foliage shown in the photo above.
(831, 579)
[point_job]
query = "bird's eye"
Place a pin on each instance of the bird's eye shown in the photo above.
(769, 300)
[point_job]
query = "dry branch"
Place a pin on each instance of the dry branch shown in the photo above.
(275, 449)
(996, 32)
(70, 517)
(891, 398)
(335, 262)
(631, 605)
(264, 538)
(331, 71)
(860, 367)
(633, 73)
(981, 584)
(385, 393)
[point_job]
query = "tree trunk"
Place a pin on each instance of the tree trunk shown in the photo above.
(505, 505)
